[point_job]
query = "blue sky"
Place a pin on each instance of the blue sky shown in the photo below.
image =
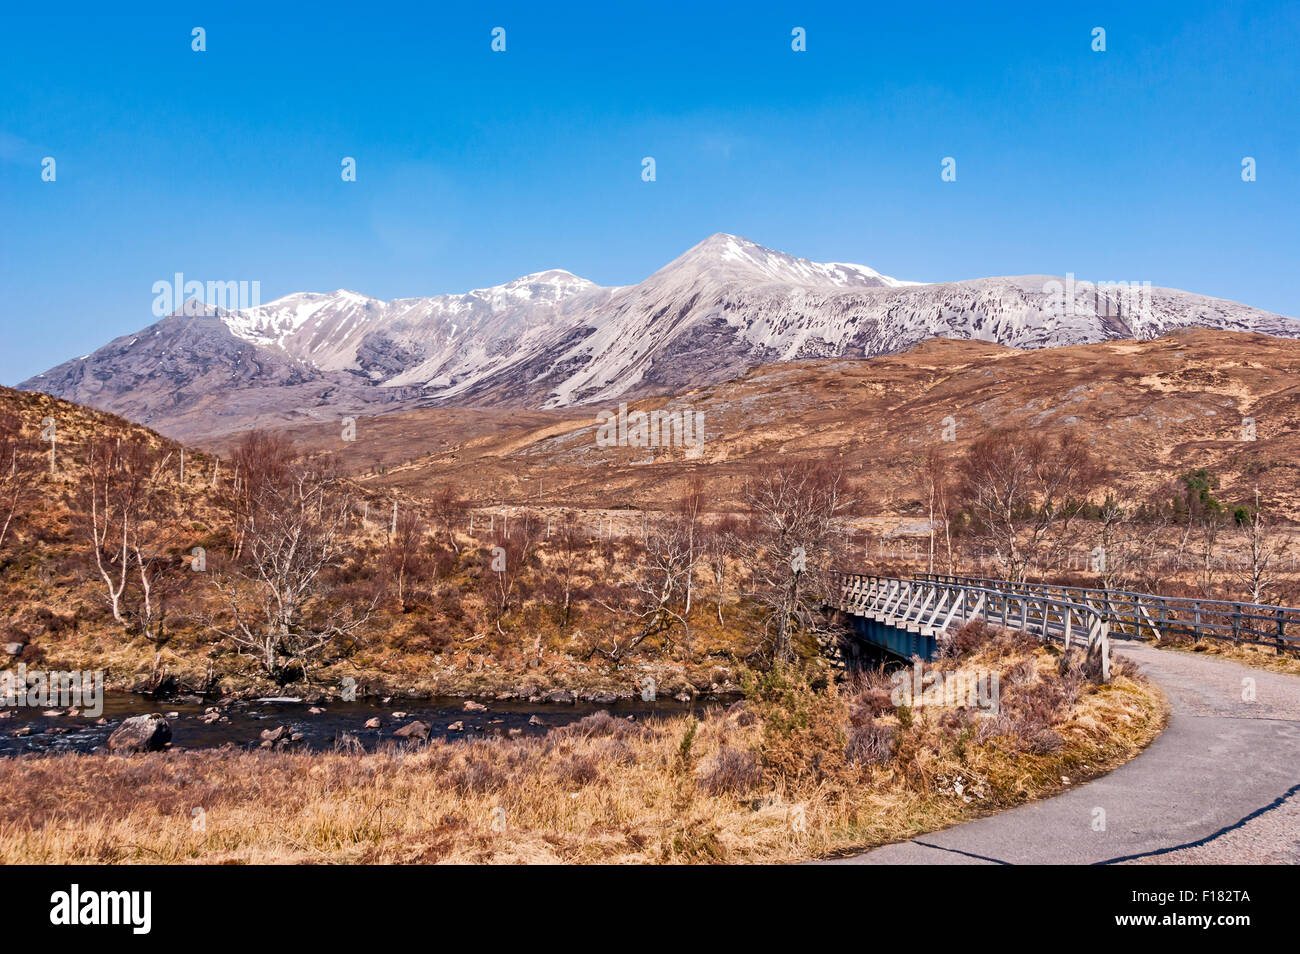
(475, 167)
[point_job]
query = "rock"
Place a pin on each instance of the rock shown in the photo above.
(514, 733)
(315, 710)
(297, 737)
(25, 730)
(211, 717)
(274, 735)
(6, 714)
(559, 695)
(415, 730)
(683, 697)
(52, 712)
(603, 698)
(74, 712)
(472, 706)
(14, 649)
(533, 720)
(399, 715)
(374, 723)
(173, 715)
(143, 733)
(456, 727)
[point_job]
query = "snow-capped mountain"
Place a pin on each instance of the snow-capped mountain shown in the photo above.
(552, 339)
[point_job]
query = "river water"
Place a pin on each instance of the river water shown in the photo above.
(247, 720)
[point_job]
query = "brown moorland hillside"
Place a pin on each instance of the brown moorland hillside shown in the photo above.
(1150, 410)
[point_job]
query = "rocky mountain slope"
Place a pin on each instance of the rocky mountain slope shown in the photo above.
(552, 339)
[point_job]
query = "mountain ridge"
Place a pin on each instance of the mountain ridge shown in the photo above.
(553, 339)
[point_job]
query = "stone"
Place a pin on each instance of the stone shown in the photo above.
(472, 706)
(15, 649)
(456, 727)
(274, 735)
(533, 720)
(414, 730)
(49, 713)
(315, 710)
(559, 695)
(399, 715)
(142, 733)
(374, 723)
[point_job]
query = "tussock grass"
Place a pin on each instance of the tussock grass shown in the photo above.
(773, 779)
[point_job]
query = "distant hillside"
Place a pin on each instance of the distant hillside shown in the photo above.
(1151, 410)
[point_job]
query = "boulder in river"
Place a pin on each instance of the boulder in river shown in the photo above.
(560, 695)
(374, 723)
(472, 706)
(456, 727)
(142, 733)
(415, 730)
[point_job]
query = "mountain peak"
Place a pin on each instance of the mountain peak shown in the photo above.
(738, 258)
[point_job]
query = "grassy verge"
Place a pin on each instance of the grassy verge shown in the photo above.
(793, 773)
(1257, 657)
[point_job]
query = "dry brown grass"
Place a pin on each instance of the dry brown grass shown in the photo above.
(1257, 657)
(764, 781)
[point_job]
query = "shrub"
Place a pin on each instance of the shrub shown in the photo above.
(477, 774)
(731, 771)
(803, 729)
(870, 743)
(578, 769)
(969, 639)
(600, 725)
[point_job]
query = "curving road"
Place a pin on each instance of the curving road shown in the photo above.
(1221, 785)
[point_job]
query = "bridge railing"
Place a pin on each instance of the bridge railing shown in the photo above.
(936, 606)
(1141, 614)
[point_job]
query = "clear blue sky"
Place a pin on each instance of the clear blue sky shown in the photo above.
(475, 167)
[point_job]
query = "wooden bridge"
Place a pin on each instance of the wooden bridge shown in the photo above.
(909, 616)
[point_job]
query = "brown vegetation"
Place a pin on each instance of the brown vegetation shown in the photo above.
(799, 770)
